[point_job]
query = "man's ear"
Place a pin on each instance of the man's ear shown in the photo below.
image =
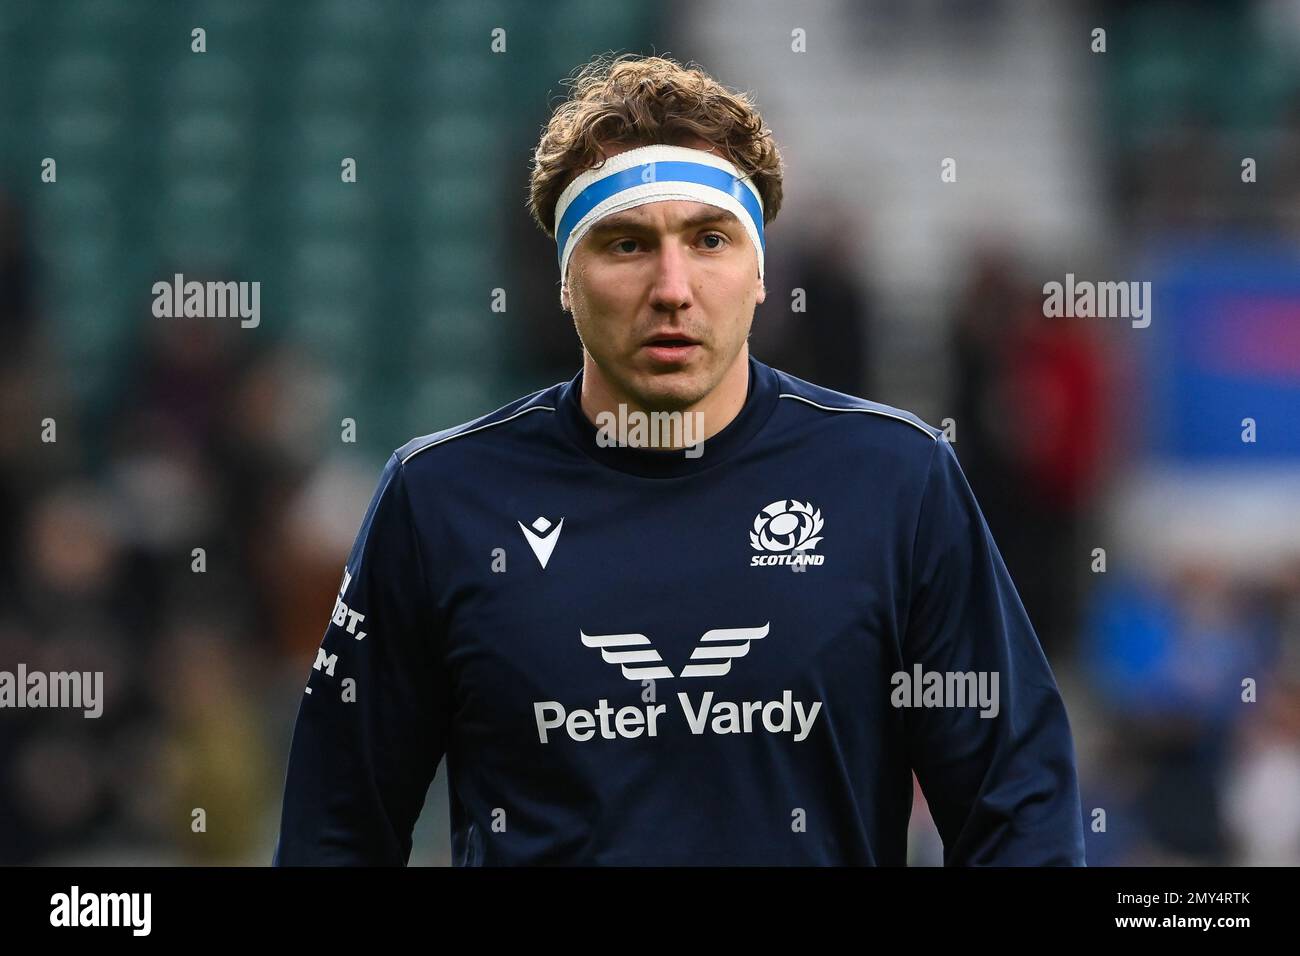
(564, 297)
(762, 293)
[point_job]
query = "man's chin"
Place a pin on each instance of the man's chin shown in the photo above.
(669, 390)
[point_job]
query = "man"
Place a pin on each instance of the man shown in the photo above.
(733, 648)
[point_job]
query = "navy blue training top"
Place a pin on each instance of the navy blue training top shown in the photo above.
(637, 656)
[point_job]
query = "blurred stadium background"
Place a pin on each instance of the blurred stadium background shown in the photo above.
(376, 305)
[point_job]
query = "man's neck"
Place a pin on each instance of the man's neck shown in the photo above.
(716, 410)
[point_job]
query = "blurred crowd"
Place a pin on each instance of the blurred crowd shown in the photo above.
(186, 540)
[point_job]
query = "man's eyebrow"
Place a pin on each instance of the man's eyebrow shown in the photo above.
(627, 223)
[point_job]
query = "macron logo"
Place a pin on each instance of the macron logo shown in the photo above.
(541, 538)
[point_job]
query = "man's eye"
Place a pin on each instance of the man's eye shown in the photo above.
(623, 242)
(716, 235)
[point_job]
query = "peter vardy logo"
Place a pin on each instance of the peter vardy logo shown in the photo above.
(786, 531)
(712, 657)
(639, 661)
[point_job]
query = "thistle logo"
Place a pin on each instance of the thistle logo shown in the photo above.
(639, 661)
(790, 529)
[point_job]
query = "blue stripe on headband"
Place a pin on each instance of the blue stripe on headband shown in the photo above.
(664, 171)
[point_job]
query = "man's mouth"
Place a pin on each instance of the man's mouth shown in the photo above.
(670, 349)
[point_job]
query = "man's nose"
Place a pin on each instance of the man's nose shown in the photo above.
(672, 288)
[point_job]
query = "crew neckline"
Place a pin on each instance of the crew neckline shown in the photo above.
(760, 400)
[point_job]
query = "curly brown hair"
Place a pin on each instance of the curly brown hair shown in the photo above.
(632, 100)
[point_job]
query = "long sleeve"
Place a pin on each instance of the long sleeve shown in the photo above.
(372, 725)
(1002, 788)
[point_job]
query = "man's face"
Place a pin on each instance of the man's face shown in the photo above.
(674, 269)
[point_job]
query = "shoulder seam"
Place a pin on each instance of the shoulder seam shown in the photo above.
(415, 536)
(869, 411)
(524, 411)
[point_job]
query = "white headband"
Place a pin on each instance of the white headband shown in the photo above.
(651, 174)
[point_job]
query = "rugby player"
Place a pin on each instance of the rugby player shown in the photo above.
(730, 647)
